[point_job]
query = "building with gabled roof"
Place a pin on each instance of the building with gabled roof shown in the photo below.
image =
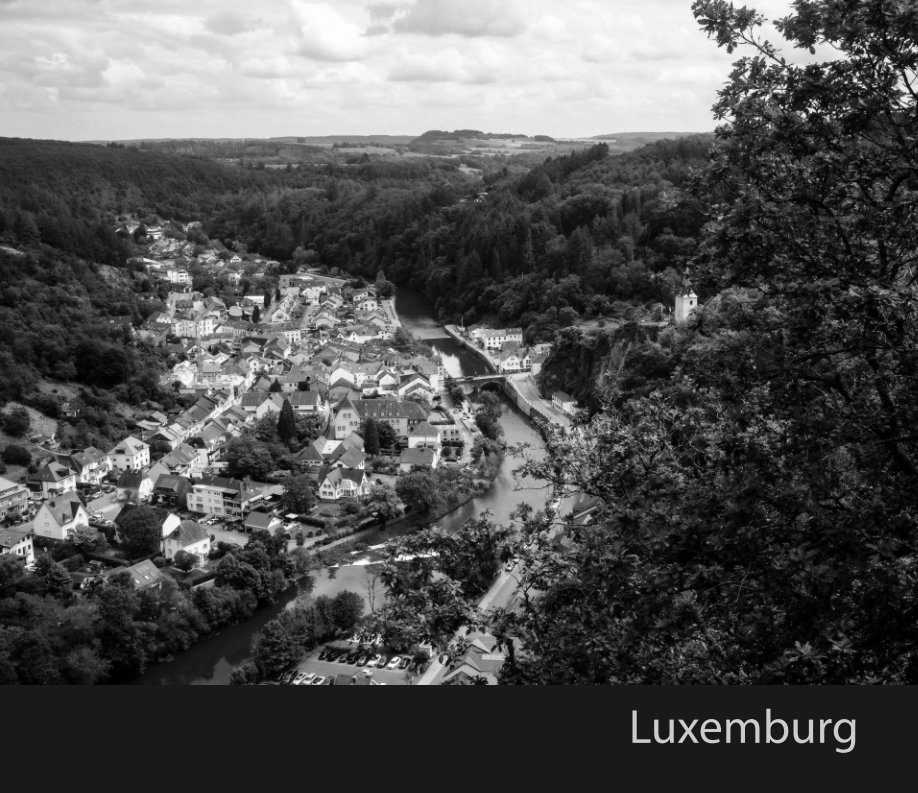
(59, 515)
(132, 454)
(143, 575)
(482, 660)
(338, 483)
(14, 499)
(170, 491)
(190, 537)
(419, 455)
(18, 543)
(51, 480)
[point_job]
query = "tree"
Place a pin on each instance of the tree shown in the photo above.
(16, 455)
(275, 387)
(286, 423)
(418, 491)
(85, 538)
(140, 531)
(275, 649)
(346, 610)
(17, 422)
(56, 579)
(299, 494)
(737, 497)
(384, 501)
(185, 561)
(388, 439)
(370, 435)
(256, 315)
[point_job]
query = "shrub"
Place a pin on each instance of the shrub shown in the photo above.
(16, 455)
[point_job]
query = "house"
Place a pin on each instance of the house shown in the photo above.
(90, 465)
(60, 515)
(307, 402)
(14, 499)
(52, 479)
(143, 575)
(171, 492)
(536, 361)
(424, 435)
(412, 382)
(513, 359)
(338, 483)
(18, 543)
(261, 521)
(348, 457)
(185, 460)
(190, 537)
(130, 455)
(423, 456)
(482, 660)
(259, 403)
(134, 487)
(446, 425)
(564, 402)
(221, 496)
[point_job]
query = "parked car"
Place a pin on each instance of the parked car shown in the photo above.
(374, 660)
(352, 656)
(362, 659)
(319, 680)
(304, 679)
(394, 661)
(404, 663)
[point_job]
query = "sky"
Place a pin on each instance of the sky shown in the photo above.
(117, 70)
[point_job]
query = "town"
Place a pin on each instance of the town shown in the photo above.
(367, 410)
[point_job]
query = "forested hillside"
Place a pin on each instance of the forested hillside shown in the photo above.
(539, 248)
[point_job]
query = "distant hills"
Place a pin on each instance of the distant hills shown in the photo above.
(479, 151)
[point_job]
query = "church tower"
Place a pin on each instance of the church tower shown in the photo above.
(686, 301)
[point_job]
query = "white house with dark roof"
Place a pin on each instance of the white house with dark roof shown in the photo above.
(57, 517)
(424, 435)
(14, 498)
(131, 454)
(338, 483)
(190, 537)
(89, 465)
(18, 543)
(51, 480)
(420, 455)
(261, 521)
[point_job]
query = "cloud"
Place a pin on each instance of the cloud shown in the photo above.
(230, 24)
(471, 18)
(325, 35)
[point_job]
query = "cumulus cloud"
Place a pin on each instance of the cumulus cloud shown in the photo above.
(230, 24)
(325, 35)
(502, 18)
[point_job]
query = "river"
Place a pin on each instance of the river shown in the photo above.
(210, 662)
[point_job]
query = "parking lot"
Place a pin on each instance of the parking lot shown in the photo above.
(391, 677)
